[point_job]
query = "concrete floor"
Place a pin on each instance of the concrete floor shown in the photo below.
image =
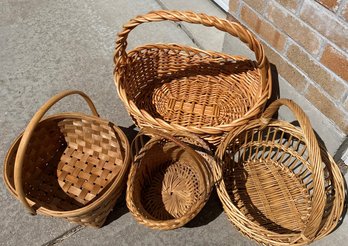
(48, 46)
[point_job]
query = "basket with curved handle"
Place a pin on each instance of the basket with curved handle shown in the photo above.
(233, 28)
(201, 166)
(319, 196)
(27, 136)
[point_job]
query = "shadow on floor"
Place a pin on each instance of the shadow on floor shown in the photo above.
(210, 212)
(130, 132)
(119, 209)
(275, 85)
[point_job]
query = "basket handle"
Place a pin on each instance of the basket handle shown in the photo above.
(233, 28)
(27, 136)
(154, 132)
(319, 196)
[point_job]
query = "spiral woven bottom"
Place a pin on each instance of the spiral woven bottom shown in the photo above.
(170, 191)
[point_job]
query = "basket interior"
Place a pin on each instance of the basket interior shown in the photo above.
(69, 162)
(167, 185)
(267, 176)
(185, 86)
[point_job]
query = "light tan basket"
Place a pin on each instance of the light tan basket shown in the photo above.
(170, 179)
(276, 184)
(180, 88)
(68, 165)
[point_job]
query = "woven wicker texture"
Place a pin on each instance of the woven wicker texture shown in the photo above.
(277, 185)
(169, 182)
(176, 87)
(69, 165)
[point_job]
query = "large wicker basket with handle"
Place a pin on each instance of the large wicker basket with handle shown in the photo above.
(277, 184)
(176, 87)
(68, 165)
(170, 179)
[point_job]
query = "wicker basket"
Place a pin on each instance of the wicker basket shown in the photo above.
(180, 88)
(68, 165)
(169, 182)
(277, 185)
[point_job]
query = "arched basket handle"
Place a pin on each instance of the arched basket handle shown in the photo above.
(233, 28)
(23, 145)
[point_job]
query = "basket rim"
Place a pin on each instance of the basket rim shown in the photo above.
(218, 129)
(97, 202)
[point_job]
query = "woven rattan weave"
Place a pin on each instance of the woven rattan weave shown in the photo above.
(68, 165)
(170, 179)
(176, 87)
(277, 185)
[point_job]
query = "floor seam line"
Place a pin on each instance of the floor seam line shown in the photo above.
(182, 27)
(64, 236)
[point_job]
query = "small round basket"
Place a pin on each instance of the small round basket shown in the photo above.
(170, 179)
(68, 165)
(180, 88)
(277, 185)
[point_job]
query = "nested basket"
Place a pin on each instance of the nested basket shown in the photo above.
(176, 87)
(68, 165)
(170, 179)
(277, 185)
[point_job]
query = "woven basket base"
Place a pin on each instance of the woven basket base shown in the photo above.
(280, 206)
(171, 192)
(191, 88)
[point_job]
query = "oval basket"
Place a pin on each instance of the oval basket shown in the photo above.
(68, 165)
(170, 179)
(180, 88)
(277, 185)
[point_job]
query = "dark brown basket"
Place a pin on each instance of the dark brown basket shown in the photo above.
(68, 165)
(180, 88)
(277, 185)
(170, 179)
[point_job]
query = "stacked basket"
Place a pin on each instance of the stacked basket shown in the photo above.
(277, 185)
(176, 88)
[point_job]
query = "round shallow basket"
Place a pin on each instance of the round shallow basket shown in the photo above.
(180, 88)
(170, 179)
(68, 165)
(276, 184)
